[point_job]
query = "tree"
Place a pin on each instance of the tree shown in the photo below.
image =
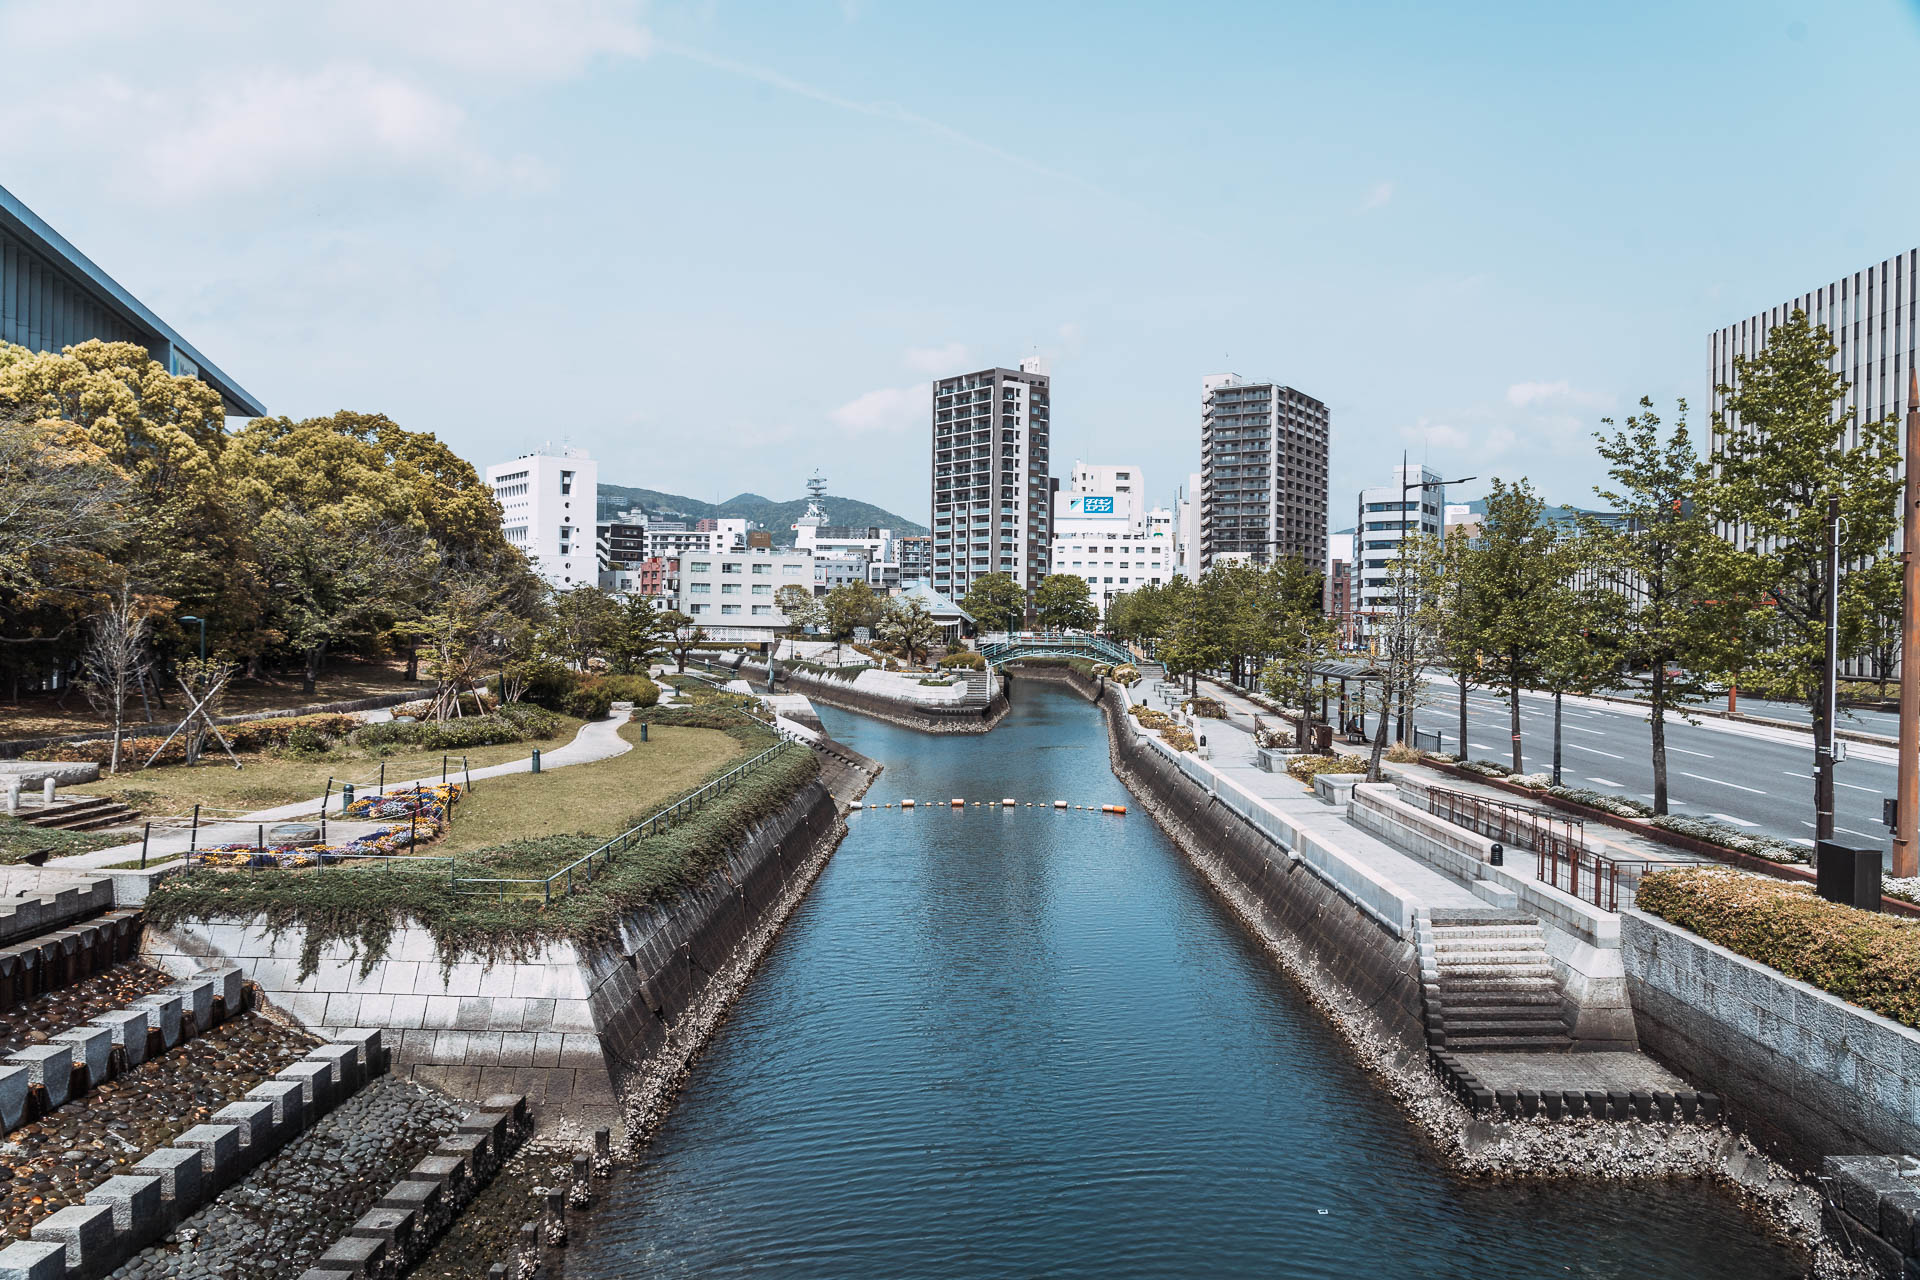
(115, 662)
(1401, 638)
(1665, 568)
(1450, 624)
(907, 623)
(1784, 455)
(61, 506)
(1135, 616)
(639, 635)
(799, 607)
(1302, 638)
(996, 602)
(684, 635)
(584, 623)
(1516, 570)
(846, 609)
(1189, 643)
(1064, 602)
(1575, 625)
(332, 582)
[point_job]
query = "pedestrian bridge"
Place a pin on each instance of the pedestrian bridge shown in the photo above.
(1094, 648)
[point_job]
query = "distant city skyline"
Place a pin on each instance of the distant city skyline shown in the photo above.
(1472, 234)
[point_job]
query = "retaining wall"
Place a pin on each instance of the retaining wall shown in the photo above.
(566, 1025)
(1364, 952)
(1813, 1075)
(927, 717)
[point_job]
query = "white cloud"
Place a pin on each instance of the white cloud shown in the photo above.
(1438, 435)
(937, 362)
(1377, 196)
(553, 39)
(1524, 394)
(1498, 441)
(887, 409)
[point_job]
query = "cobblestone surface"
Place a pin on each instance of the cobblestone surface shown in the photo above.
(90, 997)
(287, 1212)
(56, 1160)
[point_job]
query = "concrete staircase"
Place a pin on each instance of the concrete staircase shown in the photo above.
(1488, 984)
(88, 813)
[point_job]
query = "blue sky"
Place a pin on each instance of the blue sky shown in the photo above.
(720, 245)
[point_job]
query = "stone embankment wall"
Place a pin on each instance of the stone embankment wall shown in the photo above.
(945, 715)
(1813, 1076)
(1338, 946)
(568, 1026)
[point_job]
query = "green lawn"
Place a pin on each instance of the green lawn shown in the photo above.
(598, 798)
(265, 780)
(18, 839)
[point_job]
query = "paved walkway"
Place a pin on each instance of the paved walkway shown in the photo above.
(1232, 752)
(597, 740)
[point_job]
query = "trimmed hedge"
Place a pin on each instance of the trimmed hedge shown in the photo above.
(1305, 768)
(1861, 956)
(966, 658)
(514, 723)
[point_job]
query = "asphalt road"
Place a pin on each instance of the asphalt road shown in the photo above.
(1756, 778)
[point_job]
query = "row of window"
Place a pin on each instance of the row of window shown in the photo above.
(759, 610)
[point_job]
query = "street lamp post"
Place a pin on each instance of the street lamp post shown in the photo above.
(1406, 700)
(203, 633)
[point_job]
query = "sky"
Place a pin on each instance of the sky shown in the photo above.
(721, 245)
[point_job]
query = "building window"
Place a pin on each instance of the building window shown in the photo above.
(700, 588)
(729, 608)
(701, 608)
(763, 570)
(729, 588)
(763, 588)
(729, 566)
(763, 610)
(700, 566)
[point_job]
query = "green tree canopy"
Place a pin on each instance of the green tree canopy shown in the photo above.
(996, 602)
(1064, 601)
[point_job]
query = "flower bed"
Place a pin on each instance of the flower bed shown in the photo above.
(428, 812)
(1177, 738)
(1869, 959)
(1148, 717)
(1728, 837)
(1306, 768)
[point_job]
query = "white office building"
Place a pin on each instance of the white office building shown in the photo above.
(731, 592)
(1387, 516)
(549, 501)
(992, 478)
(1122, 483)
(677, 538)
(1187, 540)
(1114, 553)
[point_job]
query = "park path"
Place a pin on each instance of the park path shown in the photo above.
(597, 740)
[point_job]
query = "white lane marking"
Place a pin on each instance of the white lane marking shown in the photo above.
(1480, 746)
(1738, 822)
(1719, 782)
(1850, 831)
(1595, 751)
(1579, 728)
(1849, 786)
(1683, 751)
(1605, 782)
(1803, 840)
(1791, 774)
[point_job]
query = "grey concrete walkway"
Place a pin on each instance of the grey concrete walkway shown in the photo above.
(1231, 752)
(597, 740)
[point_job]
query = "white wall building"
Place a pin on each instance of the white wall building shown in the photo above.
(731, 592)
(1114, 553)
(675, 538)
(549, 501)
(1122, 483)
(1187, 534)
(1387, 515)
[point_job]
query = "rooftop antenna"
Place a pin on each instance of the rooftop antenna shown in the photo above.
(817, 486)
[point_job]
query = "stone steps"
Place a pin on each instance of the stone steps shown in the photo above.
(88, 814)
(1489, 985)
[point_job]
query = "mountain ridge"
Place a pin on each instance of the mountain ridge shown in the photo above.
(776, 517)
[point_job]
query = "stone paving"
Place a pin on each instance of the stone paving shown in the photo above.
(56, 1160)
(1552, 1072)
(286, 1213)
(71, 1006)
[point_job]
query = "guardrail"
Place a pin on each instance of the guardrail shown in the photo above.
(1559, 845)
(581, 871)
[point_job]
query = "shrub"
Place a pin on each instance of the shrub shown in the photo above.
(306, 741)
(964, 658)
(549, 682)
(1620, 806)
(589, 700)
(638, 690)
(1401, 753)
(1531, 781)
(1177, 738)
(1485, 768)
(1861, 956)
(1124, 674)
(1210, 708)
(1149, 717)
(531, 721)
(459, 735)
(1306, 768)
(1728, 837)
(938, 684)
(248, 735)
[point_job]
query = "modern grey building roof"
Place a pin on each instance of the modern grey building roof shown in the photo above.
(52, 296)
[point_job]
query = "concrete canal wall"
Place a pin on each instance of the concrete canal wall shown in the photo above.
(1811, 1075)
(891, 699)
(571, 1027)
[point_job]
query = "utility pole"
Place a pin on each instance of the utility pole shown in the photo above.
(1823, 761)
(1906, 813)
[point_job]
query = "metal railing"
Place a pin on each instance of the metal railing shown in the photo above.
(1429, 740)
(581, 871)
(1559, 846)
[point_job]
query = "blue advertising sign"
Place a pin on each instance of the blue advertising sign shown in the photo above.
(1091, 506)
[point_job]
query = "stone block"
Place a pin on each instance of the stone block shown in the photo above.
(1899, 1222)
(356, 1255)
(48, 1065)
(163, 1014)
(219, 1148)
(183, 1185)
(348, 1073)
(196, 997)
(138, 1210)
(230, 986)
(92, 1048)
(422, 1199)
(367, 1044)
(86, 1231)
(316, 1077)
(395, 1226)
(441, 1170)
(475, 1149)
(515, 1106)
(1858, 1182)
(128, 1027)
(493, 1124)
(288, 1099)
(33, 1260)
(330, 1273)
(254, 1120)
(13, 1096)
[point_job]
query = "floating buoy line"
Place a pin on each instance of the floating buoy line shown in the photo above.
(962, 803)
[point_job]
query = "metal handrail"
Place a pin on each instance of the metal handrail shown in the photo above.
(1561, 856)
(583, 868)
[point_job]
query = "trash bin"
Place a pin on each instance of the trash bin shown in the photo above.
(1847, 875)
(1323, 738)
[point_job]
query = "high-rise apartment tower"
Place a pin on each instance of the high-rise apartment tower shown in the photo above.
(1263, 472)
(992, 483)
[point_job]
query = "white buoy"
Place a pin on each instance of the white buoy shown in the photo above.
(1059, 804)
(1008, 804)
(906, 804)
(856, 805)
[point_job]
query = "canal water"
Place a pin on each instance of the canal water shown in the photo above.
(1028, 1043)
